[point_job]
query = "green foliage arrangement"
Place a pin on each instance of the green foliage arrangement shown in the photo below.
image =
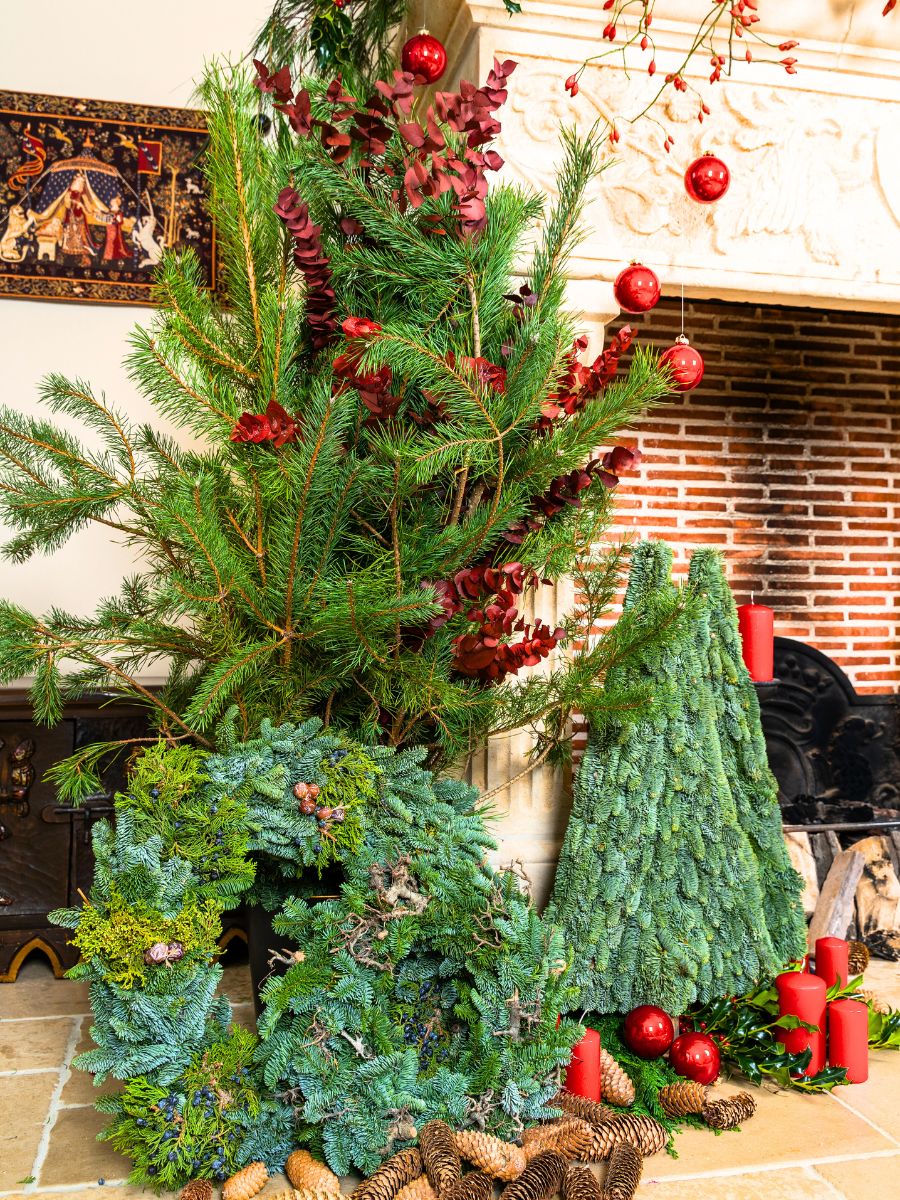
(200, 1125)
(397, 445)
(423, 986)
(659, 890)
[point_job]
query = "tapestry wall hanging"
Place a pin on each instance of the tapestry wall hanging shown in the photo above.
(92, 192)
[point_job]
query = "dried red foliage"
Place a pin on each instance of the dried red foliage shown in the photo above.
(312, 261)
(275, 425)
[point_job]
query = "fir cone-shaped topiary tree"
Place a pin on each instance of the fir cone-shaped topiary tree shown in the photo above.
(658, 889)
(743, 745)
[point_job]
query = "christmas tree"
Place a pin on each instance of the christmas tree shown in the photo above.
(659, 891)
(397, 441)
(743, 745)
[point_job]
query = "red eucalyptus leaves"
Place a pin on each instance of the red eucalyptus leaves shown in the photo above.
(311, 260)
(432, 164)
(487, 653)
(275, 425)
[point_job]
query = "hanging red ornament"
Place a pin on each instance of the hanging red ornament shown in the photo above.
(707, 179)
(648, 1031)
(425, 56)
(636, 289)
(695, 1056)
(684, 363)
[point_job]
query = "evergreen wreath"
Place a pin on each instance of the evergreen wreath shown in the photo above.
(425, 987)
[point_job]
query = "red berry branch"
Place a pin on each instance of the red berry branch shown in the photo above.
(628, 31)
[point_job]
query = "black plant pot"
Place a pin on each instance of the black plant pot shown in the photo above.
(262, 938)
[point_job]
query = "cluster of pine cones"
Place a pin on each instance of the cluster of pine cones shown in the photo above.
(536, 1169)
(686, 1097)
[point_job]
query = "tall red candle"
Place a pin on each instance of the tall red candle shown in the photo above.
(583, 1072)
(803, 995)
(832, 955)
(848, 1038)
(757, 625)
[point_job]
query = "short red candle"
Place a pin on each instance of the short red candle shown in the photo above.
(583, 1072)
(757, 625)
(803, 995)
(848, 1038)
(832, 956)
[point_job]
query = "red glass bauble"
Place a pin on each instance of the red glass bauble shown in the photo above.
(425, 56)
(684, 363)
(636, 289)
(648, 1031)
(707, 179)
(695, 1056)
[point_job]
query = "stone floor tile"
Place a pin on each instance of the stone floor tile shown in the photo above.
(101, 1192)
(27, 1045)
(75, 1156)
(244, 1014)
(37, 993)
(788, 1127)
(864, 1180)
(24, 1103)
(878, 1099)
(236, 984)
(79, 1087)
(792, 1184)
(883, 978)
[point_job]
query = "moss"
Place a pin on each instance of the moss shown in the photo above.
(118, 935)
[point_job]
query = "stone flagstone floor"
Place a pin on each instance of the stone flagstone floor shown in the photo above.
(845, 1145)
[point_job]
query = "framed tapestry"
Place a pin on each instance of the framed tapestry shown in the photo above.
(92, 192)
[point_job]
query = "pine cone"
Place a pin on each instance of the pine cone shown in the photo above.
(615, 1085)
(246, 1182)
(878, 1005)
(728, 1114)
(581, 1183)
(542, 1177)
(625, 1165)
(578, 1106)
(197, 1189)
(643, 1132)
(419, 1189)
(490, 1154)
(570, 1137)
(306, 1172)
(858, 958)
(474, 1186)
(685, 1096)
(391, 1176)
(439, 1155)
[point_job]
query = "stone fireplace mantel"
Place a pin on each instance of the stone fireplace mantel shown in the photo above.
(812, 216)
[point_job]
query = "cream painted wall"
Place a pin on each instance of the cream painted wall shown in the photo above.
(80, 51)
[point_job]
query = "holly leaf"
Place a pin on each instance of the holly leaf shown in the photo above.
(514, 8)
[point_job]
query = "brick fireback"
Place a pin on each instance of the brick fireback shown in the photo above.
(786, 457)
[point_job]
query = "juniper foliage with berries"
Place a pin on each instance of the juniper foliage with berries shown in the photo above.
(397, 444)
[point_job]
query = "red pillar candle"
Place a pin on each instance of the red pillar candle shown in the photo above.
(583, 1072)
(757, 625)
(832, 960)
(803, 995)
(848, 1038)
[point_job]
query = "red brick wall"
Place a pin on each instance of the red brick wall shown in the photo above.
(787, 456)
